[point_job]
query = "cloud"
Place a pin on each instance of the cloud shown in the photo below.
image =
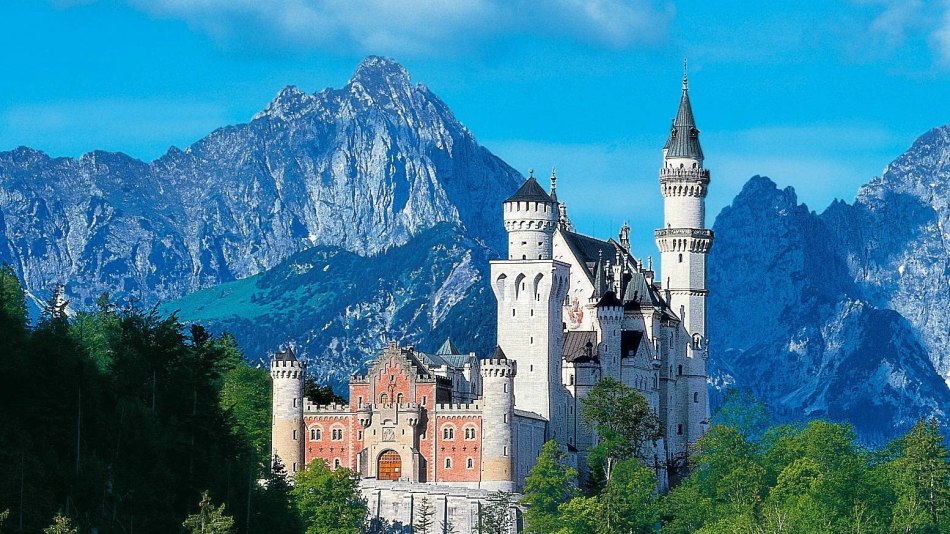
(414, 27)
(901, 23)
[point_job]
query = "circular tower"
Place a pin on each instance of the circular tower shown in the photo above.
(531, 216)
(287, 439)
(498, 409)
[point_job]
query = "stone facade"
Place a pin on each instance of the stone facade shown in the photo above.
(571, 309)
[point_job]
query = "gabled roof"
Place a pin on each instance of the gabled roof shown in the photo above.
(683, 141)
(531, 191)
(588, 250)
(580, 346)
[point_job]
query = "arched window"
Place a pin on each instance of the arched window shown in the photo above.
(448, 463)
(469, 432)
(470, 463)
(399, 398)
(336, 434)
(679, 370)
(315, 434)
(695, 397)
(448, 432)
(336, 463)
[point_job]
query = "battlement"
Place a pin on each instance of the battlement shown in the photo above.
(499, 368)
(684, 240)
(441, 409)
(674, 174)
(326, 408)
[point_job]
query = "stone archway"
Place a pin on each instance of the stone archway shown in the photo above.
(389, 466)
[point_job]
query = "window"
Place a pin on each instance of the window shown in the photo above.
(295, 403)
(469, 432)
(506, 418)
(505, 387)
(531, 368)
(295, 467)
(679, 429)
(470, 464)
(359, 401)
(336, 463)
(570, 380)
(399, 398)
(424, 399)
(359, 435)
(294, 434)
(448, 463)
(505, 451)
(512, 312)
(336, 434)
(679, 370)
(448, 432)
(315, 434)
(681, 258)
(695, 397)
(384, 398)
(531, 340)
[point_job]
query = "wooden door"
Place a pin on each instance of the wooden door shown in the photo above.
(390, 466)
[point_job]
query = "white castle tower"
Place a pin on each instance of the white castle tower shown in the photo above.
(287, 439)
(530, 287)
(684, 243)
(498, 410)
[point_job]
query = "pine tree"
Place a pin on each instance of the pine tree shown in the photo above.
(921, 478)
(424, 522)
(209, 520)
(495, 516)
(61, 525)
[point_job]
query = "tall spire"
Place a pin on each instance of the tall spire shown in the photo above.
(683, 141)
(554, 184)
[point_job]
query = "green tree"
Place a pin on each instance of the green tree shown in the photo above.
(329, 502)
(743, 411)
(622, 418)
(61, 525)
(549, 484)
(629, 501)
(209, 519)
(424, 521)
(921, 481)
(246, 399)
(320, 394)
(685, 509)
(495, 516)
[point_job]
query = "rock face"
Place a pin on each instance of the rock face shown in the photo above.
(340, 308)
(363, 168)
(845, 314)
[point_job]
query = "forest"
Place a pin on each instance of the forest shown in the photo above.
(121, 420)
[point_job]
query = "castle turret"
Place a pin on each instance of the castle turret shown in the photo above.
(530, 287)
(684, 243)
(287, 439)
(498, 405)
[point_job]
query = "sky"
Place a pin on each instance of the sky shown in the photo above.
(817, 95)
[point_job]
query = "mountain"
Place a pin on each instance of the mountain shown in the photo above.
(843, 314)
(340, 308)
(363, 168)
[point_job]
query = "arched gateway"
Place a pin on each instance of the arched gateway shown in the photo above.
(389, 466)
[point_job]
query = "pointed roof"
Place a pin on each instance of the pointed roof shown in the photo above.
(600, 285)
(683, 141)
(447, 348)
(286, 355)
(499, 354)
(531, 191)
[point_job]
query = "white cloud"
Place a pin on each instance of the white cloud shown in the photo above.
(414, 26)
(902, 22)
(941, 37)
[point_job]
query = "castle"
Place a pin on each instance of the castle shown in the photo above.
(571, 309)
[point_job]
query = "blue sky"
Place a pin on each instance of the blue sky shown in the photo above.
(816, 95)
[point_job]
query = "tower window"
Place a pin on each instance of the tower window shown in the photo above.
(679, 429)
(505, 451)
(524, 256)
(293, 434)
(681, 258)
(295, 403)
(695, 397)
(679, 370)
(448, 463)
(531, 368)
(512, 312)
(470, 463)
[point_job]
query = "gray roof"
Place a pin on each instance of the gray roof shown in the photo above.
(588, 250)
(576, 348)
(683, 141)
(499, 354)
(531, 191)
(286, 355)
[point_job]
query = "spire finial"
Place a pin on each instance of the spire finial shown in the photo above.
(685, 78)
(531, 173)
(553, 180)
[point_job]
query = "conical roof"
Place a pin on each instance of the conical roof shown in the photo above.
(499, 354)
(531, 191)
(683, 141)
(286, 355)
